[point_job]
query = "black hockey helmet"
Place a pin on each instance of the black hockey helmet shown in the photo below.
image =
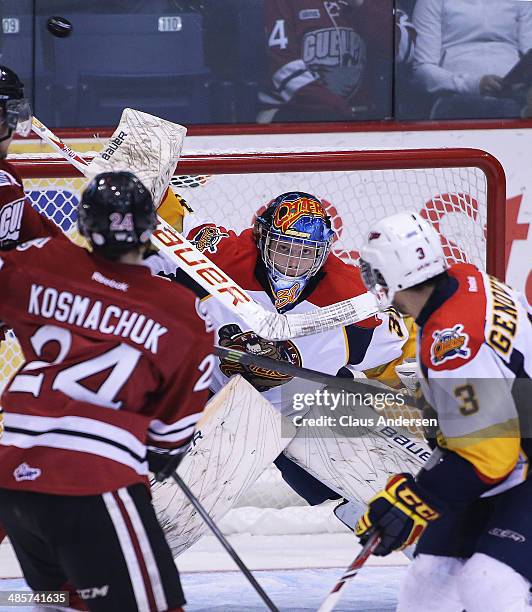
(15, 108)
(116, 213)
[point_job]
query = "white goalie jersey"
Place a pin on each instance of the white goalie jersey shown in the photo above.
(372, 346)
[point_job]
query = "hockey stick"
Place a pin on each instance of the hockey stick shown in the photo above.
(224, 542)
(55, 142)
(285, 367)
(332, 598)
(398, 437)
(216, 282)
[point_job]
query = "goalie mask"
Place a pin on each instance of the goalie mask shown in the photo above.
(401, 251)
(15, 109)
(116, 213)
(294, 237)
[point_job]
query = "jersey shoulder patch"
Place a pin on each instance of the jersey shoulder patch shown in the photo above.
(207, 237)
(449, 343)
(455, 332)
(234, 253)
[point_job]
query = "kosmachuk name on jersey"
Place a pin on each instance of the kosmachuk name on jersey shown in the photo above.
(67, 307)
(348, 420)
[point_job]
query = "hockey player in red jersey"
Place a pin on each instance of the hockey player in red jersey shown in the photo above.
(328, 60)
(19, 222)
(111, 373)
(285, 263)
(470, 506)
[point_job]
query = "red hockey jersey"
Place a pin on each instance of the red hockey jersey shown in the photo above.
(116, 361)
(327, 55)
(475, 355)
(19, 221)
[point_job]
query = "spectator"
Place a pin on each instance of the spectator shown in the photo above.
(463, 51)
(405, 38)
(328, 60)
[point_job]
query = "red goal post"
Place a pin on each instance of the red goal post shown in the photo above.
(460, 191)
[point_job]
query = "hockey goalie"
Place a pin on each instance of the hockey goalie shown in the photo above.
(285, 262)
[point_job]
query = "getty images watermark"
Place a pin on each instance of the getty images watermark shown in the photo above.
(325, 408)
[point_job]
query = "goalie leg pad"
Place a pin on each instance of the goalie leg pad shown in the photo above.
(355, 467)
(237, 437)
(431, 583)
(488, 585)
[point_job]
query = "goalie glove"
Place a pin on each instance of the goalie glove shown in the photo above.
(399, 513)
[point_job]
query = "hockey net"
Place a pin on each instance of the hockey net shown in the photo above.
(459, 191)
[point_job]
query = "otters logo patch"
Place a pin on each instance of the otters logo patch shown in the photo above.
(448, 344)
(232, 336)
(207, 238)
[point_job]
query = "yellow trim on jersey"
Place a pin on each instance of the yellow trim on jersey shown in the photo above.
(346, 340)
(172, 209)
(493, 451)
(386, 373)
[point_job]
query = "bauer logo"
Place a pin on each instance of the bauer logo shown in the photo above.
(10, 221)
(113, 145)
(448, 344)
(25, 472)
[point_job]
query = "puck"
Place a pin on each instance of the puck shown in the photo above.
(59, 26)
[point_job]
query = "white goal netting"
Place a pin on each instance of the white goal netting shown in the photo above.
(458, 195)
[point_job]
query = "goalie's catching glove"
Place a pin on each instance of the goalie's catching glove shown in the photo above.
(400, 513)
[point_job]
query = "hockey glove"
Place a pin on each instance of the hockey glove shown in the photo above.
(162, 464)
(399, 513)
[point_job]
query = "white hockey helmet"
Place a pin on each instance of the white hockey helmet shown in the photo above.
(401, 251)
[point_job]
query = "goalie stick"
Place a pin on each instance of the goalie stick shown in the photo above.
(285, 367)
(206, 273)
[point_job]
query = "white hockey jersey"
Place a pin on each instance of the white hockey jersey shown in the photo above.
(372, 346)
